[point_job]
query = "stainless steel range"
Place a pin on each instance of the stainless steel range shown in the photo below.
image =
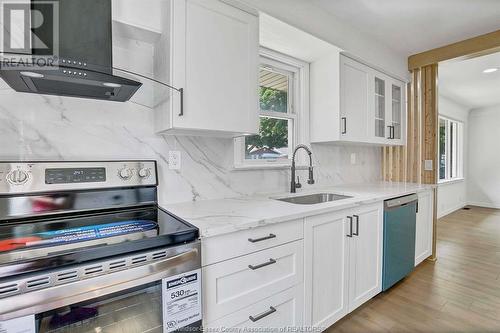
(84, 247)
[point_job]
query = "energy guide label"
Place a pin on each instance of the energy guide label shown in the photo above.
(181, 298)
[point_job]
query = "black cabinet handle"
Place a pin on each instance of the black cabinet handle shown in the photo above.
(263, 315)
(270, 262)
(357, 225)
(256, 240)
(350, 226)
(344, 125)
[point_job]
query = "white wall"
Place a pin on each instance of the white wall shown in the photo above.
(316, 21)
(453, 195)
(483, 187)
(34, 127)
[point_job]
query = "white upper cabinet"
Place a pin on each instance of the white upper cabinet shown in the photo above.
(215, 60)
(370, 108)
(398, 114)
(353, 100)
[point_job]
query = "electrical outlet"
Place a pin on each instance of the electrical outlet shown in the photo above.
(353, 158)
(428, 165)
(174, 160)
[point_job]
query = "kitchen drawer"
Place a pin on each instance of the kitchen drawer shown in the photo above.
(219, 248)
(235, 284)
(276, 313)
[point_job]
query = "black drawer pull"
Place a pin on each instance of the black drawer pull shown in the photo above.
(270, 262)
(263, 315)
(256, 240)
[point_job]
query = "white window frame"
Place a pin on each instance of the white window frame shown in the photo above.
(298, 104)
(457, 146)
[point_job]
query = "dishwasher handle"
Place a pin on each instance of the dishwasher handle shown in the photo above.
(401, 201)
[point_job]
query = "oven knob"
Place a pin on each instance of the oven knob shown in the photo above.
(144, 173)
(125, 173)
(17, 177)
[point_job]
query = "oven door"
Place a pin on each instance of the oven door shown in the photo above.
(163, 296)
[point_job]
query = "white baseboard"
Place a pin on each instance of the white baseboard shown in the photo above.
(484, 204)
(451, 210)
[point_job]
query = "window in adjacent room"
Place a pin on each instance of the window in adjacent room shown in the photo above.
(450, 149)
(281, 115)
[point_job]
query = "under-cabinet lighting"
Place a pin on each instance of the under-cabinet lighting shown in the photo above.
(112, 85)
(32, 74)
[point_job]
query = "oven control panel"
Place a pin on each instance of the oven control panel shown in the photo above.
(26, 177)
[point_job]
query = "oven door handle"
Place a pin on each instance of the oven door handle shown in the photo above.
(186, 259)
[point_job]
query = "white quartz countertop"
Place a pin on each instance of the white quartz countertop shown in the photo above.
(222, 216)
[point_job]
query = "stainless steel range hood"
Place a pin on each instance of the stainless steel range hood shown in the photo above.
(83, 64)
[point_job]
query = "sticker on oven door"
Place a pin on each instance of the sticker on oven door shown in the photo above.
(18, 325)
(181, 298)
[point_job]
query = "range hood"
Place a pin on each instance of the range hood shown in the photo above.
(84, 62)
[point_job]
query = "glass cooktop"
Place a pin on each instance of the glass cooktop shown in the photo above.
(32, 244)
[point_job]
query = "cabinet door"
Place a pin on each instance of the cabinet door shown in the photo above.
(424, 227)
(326, 246)
(398, 112)
(216, 61)
(365, 255)
(353, 100)
(379, 97)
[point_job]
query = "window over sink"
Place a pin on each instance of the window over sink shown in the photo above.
(282, 114)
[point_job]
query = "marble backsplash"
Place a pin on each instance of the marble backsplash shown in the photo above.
(36, 127)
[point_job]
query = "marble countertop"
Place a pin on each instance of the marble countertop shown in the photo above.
(217, 217)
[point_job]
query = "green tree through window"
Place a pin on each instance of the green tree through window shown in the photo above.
(273, 132)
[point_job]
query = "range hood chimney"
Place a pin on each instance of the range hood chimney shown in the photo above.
(81, 32)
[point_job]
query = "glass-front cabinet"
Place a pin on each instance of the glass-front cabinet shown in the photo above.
(398, 107)
(388, 122)
(380, 107)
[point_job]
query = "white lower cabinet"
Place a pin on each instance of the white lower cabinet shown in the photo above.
(365, 255)
(235, 284)
(272, 314)
(343, 260)
(424, 228)
(326, 254)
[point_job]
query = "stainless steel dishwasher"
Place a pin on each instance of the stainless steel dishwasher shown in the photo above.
(400, 215)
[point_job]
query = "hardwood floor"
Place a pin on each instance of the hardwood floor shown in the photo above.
(458, 293)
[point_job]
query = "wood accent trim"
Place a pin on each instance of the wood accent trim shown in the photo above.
(469, 48)
(429, 121)
(405, 164)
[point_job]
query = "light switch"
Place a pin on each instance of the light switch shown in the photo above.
(353, 158)
(428, 166)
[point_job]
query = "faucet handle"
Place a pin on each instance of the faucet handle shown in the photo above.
(310, 181)
(298, 184)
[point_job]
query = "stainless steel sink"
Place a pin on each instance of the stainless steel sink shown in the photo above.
(312, 199)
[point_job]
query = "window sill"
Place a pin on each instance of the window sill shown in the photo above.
(451, 181)
(269, 166)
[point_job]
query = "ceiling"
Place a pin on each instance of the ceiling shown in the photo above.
(465, 83)
(413, 26)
